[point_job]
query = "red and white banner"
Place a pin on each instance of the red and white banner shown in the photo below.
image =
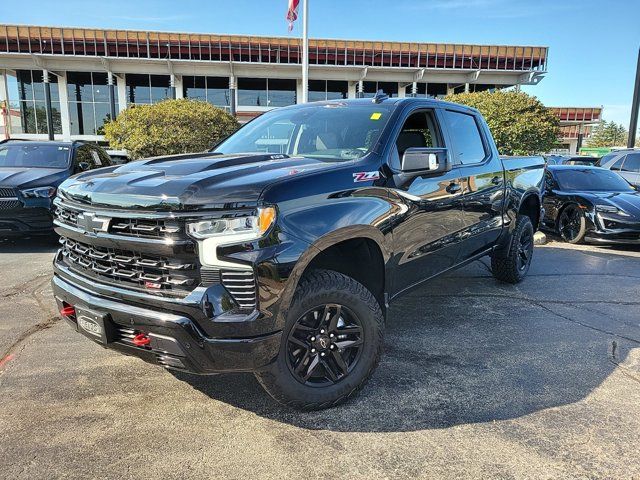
(292, 12)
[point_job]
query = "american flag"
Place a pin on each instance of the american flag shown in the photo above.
(292, 12)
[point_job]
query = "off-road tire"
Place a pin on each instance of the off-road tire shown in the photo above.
(505, 264)
(316, 288)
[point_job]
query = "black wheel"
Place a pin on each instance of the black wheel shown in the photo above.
(572, 224)
(511, 264)
(331, 344)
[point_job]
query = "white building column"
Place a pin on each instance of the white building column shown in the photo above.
(5, 120)
(178, 86)
(351, 89)
(64, 107)
(122, 92)
(401, 90)
(299, 90)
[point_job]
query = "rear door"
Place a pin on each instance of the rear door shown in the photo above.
(481, 172)
(426, 237)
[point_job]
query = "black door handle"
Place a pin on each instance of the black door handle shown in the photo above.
(453, 188)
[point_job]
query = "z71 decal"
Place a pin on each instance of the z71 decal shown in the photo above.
(366, 176)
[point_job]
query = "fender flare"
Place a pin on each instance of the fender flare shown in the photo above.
(320, 245)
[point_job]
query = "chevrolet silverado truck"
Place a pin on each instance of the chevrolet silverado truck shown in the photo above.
(280, 250)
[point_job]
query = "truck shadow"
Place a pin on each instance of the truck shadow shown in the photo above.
(458, 352)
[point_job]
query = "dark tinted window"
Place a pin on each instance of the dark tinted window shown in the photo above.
(617, 165)
(591, 180)
(45, 156)
(632, 163)
(467, 142)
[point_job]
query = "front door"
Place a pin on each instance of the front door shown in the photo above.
(426, 235)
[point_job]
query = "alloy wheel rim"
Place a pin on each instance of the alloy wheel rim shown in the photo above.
(324, 345)
(525, 250)
(570, 224)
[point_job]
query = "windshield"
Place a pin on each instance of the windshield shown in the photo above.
(592, 180)
(38, 156)
(335, 131)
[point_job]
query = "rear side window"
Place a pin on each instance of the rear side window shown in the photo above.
(465, 134)
(631, 163)
(617, 165)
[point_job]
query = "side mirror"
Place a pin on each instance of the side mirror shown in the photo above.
(83, 166)
(425, 161)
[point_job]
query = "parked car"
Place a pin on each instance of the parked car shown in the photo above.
(118, 157)
(30, 173)
(284, 264)
(571, 160)
(626, 162)
(591, 204)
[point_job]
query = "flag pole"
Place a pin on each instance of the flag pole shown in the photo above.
(305, 51)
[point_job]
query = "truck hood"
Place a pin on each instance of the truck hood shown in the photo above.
(21, 177)
(187, 182)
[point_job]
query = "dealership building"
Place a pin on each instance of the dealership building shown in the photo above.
(71, 80)
(576, 125)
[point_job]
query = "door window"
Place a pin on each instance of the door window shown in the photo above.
(617, 166)
(466, 137)
(631, 163)
(419, 131)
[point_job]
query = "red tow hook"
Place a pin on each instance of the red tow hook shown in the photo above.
(68, 311)
(141, 340)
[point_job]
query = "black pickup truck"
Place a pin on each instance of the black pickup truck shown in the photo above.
(279, 251)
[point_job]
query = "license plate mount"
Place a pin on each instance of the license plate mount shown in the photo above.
(94, 325)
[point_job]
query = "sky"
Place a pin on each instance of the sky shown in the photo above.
(593, 45)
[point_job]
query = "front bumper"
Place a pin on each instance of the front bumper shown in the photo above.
(25, 221)
(608, 228)
(176, 341)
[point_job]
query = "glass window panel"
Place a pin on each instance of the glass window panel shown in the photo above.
(370, 89)
(252, 92)
(218, 97)
(100, 87)
(316, 96)
(194, 88)
(75, 118)
(79, 86)
(14, 91)
(138, 89)
(390, 88)
(88, 119)
(103, 115)
(466, 137)
(281, 92)
(57, 118)
(159, 87)
(41, 118)
(221, 83)
(38, 85)
(337, 90)
(25, 84)
(28, 117)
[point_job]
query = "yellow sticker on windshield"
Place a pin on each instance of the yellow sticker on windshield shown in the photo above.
(376, 116)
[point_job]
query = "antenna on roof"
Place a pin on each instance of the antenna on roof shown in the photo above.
(380, 96)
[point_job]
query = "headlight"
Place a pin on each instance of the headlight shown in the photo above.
(244, 228)
(611, 209)
(39, 192)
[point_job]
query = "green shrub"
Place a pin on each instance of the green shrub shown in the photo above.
(169, 127)
(520, 123)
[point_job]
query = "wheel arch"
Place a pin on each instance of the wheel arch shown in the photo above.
(351, 245)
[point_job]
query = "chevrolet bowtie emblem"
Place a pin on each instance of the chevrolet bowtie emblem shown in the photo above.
(90, 223)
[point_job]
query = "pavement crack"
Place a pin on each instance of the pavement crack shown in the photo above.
(24, 336)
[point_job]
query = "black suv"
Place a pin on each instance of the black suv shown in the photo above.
(30, 173)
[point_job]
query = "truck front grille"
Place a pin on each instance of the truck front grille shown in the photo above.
(9, 199)
(130, 227)
(133, 269)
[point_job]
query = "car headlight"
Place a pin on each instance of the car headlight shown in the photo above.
(39, 192)
(224, 231)
(248, 227)
(611, 209)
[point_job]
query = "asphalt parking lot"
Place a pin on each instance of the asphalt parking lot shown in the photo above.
(538, 380)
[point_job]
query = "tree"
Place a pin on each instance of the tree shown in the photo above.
(520, 123)
(169, 127)
(608, 134)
